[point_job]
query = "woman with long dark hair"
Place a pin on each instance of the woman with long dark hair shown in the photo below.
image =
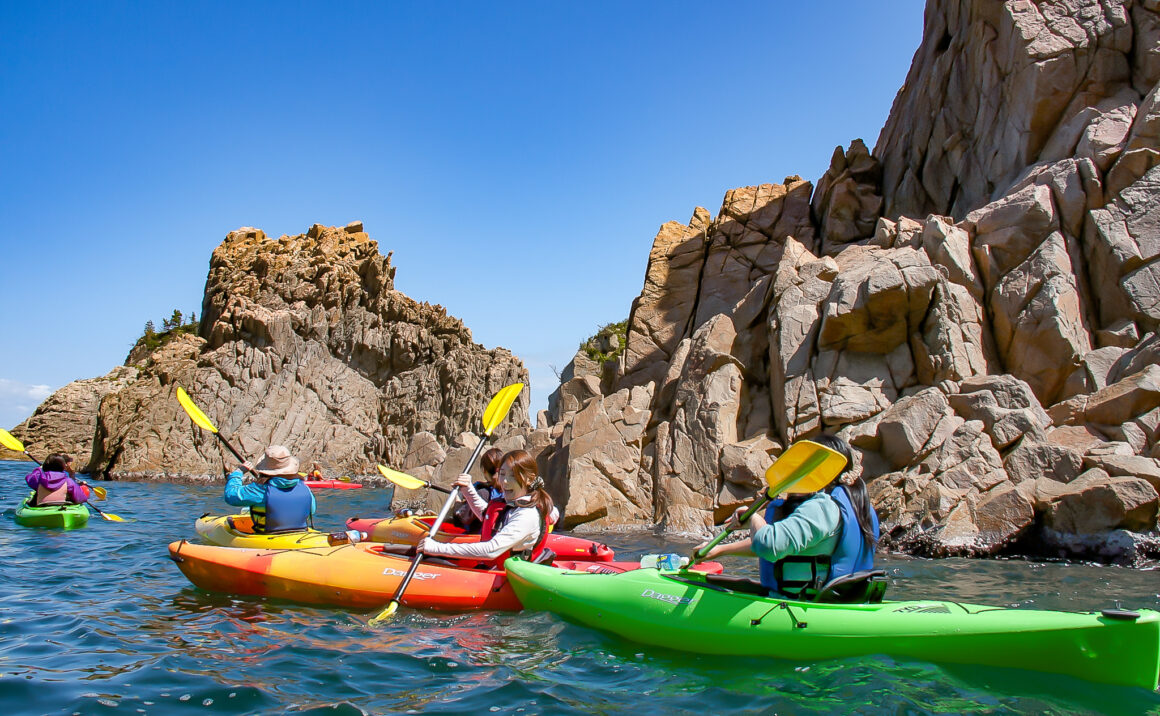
(55, 482)
(804, 541)
(518, 521)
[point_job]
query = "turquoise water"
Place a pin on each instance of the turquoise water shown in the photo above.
(99, 621)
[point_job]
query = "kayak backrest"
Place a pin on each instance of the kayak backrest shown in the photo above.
(866, 587)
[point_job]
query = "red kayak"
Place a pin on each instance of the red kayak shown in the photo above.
(332, 485)
(409, 530)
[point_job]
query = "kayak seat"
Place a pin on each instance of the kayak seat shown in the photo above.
(737, 584)
(866, 587)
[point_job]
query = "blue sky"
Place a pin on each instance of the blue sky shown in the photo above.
(517, 158)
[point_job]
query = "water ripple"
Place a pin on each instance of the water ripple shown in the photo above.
(99, 620)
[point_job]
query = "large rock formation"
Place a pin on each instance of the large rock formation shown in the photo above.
(303, 341)
(995, 255)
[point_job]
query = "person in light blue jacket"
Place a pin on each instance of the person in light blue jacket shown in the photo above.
(804, 541)
(279, 501)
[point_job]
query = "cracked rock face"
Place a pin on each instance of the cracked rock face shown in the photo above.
(303, 342)
(972, 305)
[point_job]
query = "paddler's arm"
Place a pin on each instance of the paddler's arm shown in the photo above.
(811, 523)
(240, 494)
(474, 500)
(522, 523)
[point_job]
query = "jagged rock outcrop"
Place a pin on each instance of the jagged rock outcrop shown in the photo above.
(303, 341)
(66, 420)
(973, 305)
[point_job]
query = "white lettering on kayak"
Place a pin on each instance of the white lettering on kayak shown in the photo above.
(670, 598)
(392, 572)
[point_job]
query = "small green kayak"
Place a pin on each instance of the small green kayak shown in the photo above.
(702, 613)
(59, 516)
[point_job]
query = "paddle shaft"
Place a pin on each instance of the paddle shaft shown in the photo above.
(241, 459)
(760, 502)
(437, 524)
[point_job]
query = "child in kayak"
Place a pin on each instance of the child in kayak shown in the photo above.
(517, 521)
(464, 515)
(55, 482)
(278, 500)
(803, 541)
(315, 472)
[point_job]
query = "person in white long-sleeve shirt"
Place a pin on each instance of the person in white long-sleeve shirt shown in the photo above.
(516, 522)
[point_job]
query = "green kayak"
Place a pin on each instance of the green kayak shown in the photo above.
(61, 516)
(712, 615)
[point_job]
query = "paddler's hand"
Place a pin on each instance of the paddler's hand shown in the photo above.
(426, 544)
(464, 480)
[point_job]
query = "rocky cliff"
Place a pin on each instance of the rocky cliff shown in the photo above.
(303, 341)
(973, 305)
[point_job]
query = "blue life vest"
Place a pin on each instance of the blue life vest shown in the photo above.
(284, 510)
(852, 553)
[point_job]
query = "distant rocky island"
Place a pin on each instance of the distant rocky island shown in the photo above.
(973, 305)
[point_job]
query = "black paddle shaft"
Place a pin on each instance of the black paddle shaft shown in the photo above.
(241, 459)
(435, 527)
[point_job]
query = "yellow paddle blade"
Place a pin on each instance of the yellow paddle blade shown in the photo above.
(344, 478)
(99, 491)
(386, 614)
(499, 406)
(805, 467)
(112, 518)
(194, 412)
(10, 442)
(401, 479)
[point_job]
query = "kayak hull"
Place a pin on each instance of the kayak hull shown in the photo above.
(409, 530)
(357, 576)
(238, 531)
(66, 517)
(332, 485)
(679, 610)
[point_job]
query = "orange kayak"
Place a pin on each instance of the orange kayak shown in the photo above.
(409, 530)
(358, 576)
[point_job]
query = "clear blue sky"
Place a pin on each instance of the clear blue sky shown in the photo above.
(517, 158)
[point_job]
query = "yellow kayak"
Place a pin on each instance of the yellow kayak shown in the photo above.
(238, 531)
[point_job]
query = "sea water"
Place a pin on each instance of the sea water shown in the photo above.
(100, 621)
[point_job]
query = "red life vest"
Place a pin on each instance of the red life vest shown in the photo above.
(496, 510)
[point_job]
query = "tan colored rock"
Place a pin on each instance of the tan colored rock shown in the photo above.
(304, 342)
(906, 428)
(424, 450)
(989, 87)
(877, 300)
(801, 284)
(1005, 405)
(67, 419)
(1096, 502)
(1122, 247)
(661, 314)
(706, 406)
(1142, 147)
(742, 469)
(1145, 468)
(848, 198)
(1114, 405)
(1032, 460)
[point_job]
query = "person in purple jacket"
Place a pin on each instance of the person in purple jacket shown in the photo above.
(55, 482)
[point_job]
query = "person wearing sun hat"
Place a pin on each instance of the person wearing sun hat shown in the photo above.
(278, 500)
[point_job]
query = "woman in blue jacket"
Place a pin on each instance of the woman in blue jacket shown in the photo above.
(279, 501)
